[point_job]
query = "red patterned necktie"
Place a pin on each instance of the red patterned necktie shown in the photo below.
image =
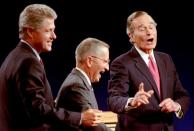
(154, 70)
(41, 61)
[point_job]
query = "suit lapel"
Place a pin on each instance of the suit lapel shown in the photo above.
(145, 71)
(143, 68)
(92, 98)
(87, 85)
(163, 75)
(26, 47)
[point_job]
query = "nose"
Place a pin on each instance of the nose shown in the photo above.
(148, 31)
(107, 67)
(54, 36)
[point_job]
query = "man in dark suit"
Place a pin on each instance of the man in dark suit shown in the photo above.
(26, 101)
(145, 102)
(76, 92)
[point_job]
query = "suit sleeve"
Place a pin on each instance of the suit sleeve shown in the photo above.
(181, 95)
(73, 97)
(37, 96)
(118, 86)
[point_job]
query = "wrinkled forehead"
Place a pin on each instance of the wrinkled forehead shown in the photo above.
(102, 51)
(143, 20)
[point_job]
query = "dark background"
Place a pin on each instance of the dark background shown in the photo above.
(106, 20)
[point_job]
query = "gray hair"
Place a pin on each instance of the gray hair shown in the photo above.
(33, 16)
(130, 19)
(87, 47)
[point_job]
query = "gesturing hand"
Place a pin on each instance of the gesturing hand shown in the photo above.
(141, 97)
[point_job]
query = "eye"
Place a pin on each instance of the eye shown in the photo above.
(142, 28)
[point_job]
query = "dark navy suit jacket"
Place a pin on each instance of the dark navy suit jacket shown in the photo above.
(26, 101)
(126, 73)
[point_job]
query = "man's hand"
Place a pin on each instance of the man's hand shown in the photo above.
(91, 117)
(168, 105)
(141, 97)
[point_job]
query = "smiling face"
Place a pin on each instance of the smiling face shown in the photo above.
(92, 56)
(99, 64)
(144, 34)
(43, 37)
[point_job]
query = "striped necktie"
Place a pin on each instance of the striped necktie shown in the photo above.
(154, 70)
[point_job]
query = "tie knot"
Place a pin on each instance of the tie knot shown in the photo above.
(150, 57)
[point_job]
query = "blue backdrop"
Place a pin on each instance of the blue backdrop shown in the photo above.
(107, 21)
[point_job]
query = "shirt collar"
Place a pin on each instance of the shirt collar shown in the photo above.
(145, 56)
(36, 53)
(85, 75)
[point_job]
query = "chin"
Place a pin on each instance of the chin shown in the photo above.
(48, 49)
(97, 80)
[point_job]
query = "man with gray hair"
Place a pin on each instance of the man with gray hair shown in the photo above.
(26, 101)
(76, 92)
(144, 87)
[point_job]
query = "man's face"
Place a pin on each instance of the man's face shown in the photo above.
(145, 33)
(44, 36)
(100, 64)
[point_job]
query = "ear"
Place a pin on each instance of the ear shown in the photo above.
(129, 34)
(130, 37)
(89, 61)
(29, 32)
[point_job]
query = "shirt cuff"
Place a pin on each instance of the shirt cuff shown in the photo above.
(128, 104)
(179, 112)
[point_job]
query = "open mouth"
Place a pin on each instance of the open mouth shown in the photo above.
(101, 72)
(150, 40)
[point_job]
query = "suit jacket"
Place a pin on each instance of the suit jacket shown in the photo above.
(126, 73)
(77, 95)
(26, 101)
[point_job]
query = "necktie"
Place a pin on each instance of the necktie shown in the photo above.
(154, 70)
(41, 61)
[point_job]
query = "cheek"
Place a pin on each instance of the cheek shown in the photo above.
(137, 38)
(96, 72)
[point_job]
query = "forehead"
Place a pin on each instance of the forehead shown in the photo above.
(47, 22)
(103, 51)
(143, 20)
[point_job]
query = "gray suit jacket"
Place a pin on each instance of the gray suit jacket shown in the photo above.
(77, 95)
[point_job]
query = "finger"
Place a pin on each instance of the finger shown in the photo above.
(145, 100)
(163, 102)
(166, 109)
(167, 106)
(141, 87)
(138, 104)
(97, 113)
(163, 109)
(97, 121)
(142, 100)
(144, 94)
(151, 92)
